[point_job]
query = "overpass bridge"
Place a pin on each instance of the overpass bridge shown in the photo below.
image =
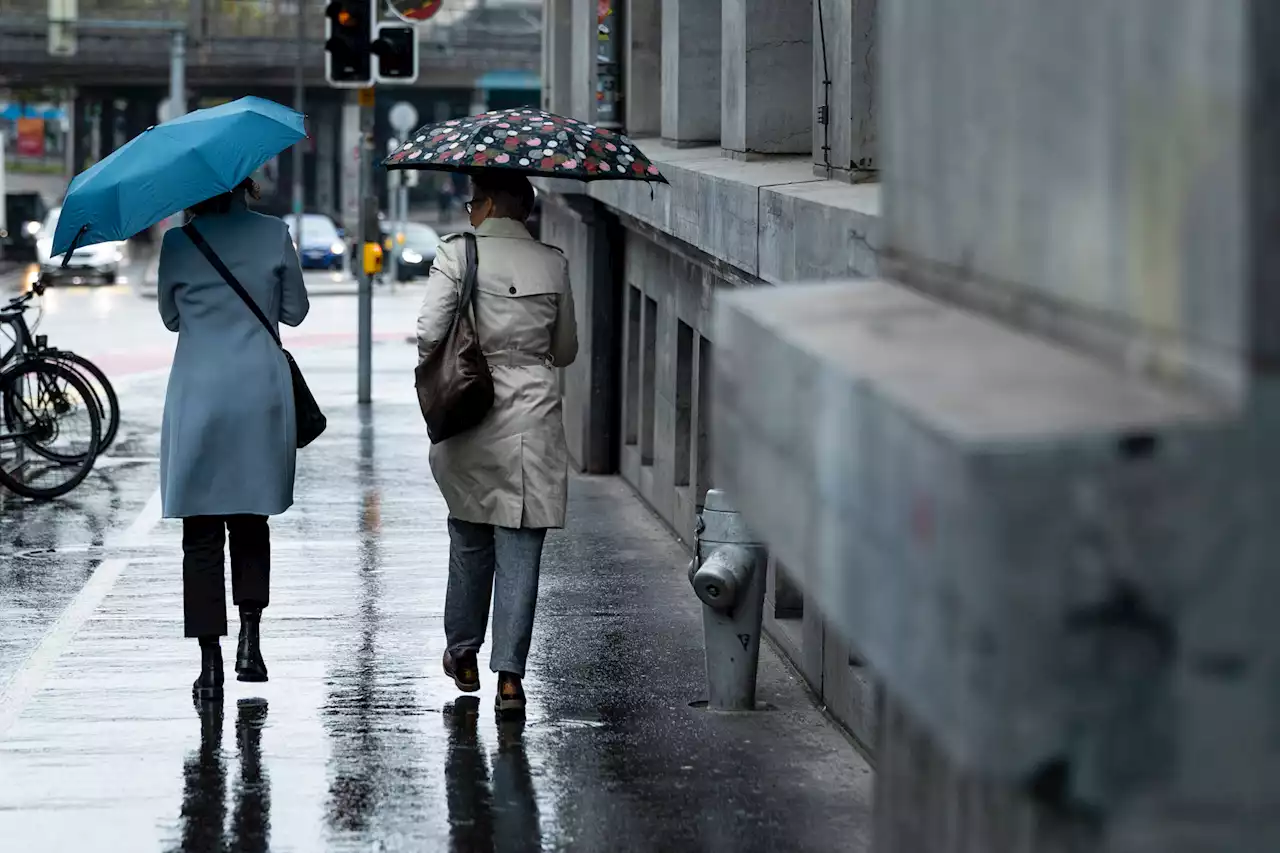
(248, 42)
(481, 53)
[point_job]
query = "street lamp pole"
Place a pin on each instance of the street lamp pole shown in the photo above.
(299, 104)
(178, 74)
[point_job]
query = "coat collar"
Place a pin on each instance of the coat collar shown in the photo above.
(494, 227)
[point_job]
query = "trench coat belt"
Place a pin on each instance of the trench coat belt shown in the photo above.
(515, 358)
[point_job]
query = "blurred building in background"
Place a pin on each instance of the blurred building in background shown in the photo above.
(112, 84)
(1016, 456)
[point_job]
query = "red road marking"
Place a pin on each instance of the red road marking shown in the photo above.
(124, 363)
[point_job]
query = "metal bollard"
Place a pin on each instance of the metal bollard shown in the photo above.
(728, 575)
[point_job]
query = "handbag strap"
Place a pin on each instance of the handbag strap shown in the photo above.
(467, 297)
(216, 262)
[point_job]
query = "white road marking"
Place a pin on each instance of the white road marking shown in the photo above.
(30, 676)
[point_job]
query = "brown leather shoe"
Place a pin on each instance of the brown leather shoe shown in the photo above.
(510, 698)
(464, 670)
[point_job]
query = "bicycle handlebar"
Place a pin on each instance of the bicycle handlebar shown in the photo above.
(17, 302)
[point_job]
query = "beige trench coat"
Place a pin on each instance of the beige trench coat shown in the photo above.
(513, 469)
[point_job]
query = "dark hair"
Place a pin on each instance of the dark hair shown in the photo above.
(511, 194)
(222, 203)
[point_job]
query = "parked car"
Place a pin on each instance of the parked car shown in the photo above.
(100, 263)
(416, 252)
(24, 214)
(322, 244)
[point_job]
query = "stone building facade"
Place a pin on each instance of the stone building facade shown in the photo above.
(969, 308)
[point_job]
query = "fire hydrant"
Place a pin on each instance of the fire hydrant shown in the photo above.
(728, 575)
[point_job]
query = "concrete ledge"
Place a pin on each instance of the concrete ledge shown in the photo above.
(770, 218)
(955, 495)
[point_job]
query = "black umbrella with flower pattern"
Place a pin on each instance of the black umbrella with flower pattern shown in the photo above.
(528, 141)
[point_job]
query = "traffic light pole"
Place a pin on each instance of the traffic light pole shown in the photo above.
(368, 214)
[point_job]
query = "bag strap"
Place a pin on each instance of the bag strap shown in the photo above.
(216, 262)
(467, 297)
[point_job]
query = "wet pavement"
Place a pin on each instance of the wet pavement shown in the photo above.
(358, 742)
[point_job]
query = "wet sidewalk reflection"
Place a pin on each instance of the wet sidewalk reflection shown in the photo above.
(367, 745)
(204, 827)
(490, 808)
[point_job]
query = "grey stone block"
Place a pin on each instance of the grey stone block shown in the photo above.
(819, 230)
(1045, 559)
(713, 203)
(851, 63)
(1090, 158)
(766, 76)
(690, 71)
(643, 58)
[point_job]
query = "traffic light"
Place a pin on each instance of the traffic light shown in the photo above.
(348, 61)
(397, 50)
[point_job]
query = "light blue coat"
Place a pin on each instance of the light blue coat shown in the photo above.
(229, 442)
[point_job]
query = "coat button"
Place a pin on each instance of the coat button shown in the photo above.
(512, 291)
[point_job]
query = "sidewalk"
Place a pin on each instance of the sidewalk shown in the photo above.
(358, 742)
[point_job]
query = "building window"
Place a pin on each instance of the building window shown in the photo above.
(632, 390)
(650, 388)
(704, 482)
(684, 403)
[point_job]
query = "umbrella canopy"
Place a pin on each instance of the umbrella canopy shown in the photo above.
(531, 142)
(170, 167)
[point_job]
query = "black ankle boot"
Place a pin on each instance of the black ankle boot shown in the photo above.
(249, 664)
(208, 687)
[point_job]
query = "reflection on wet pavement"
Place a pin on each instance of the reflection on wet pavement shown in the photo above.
(488, 810)
(204, 827)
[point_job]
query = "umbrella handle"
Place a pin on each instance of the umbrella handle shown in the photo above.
(75, 241)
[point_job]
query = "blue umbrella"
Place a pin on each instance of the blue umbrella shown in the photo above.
(172, 166)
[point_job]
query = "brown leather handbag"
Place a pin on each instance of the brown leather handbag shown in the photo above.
(455, 387)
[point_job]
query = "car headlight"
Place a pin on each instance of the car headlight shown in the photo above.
(32, 228)
(411, 257)
(337, 248)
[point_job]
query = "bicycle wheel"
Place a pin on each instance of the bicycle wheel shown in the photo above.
(104, 394)
(52, 429)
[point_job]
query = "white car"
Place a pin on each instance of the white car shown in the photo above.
(101, 262)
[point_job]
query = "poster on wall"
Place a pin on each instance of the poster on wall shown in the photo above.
(30, 141)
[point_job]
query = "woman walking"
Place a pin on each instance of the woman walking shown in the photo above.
(229, 440)
(506, 481)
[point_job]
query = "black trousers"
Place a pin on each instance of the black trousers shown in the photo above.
(204, 591)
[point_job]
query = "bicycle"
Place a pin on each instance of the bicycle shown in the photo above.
(51, 429)
(28, 345)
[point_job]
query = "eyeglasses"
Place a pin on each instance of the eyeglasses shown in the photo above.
(469, 205)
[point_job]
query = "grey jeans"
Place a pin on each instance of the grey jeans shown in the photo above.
(499, 562)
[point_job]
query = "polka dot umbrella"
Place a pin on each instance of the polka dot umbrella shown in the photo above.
(528, 141)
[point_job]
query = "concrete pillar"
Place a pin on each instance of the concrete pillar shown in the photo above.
(557, 56)
(691, 71)
(582, 49)
(766, 76)
(844, 53)
(642, 67)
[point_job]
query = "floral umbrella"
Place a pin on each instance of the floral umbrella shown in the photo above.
(528, 141)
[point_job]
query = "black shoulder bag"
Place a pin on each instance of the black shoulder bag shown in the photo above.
(455, 387)
(310, 420)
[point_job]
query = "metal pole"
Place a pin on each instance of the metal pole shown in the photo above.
(368, 216)
(299, 104)
(178, 74)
